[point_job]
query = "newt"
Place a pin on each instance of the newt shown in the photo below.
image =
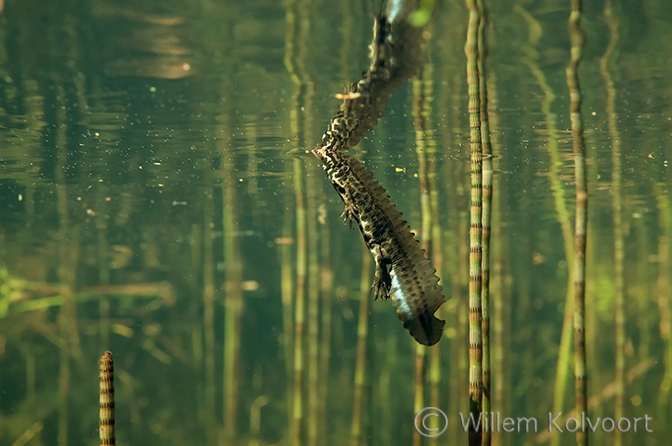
(403, 272)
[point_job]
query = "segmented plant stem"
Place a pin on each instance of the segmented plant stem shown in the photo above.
(106, 401)
(486, 188)
(577, 39)
(475, 232)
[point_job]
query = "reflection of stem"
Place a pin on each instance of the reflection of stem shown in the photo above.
(663, 286)
(300, 300)
(326, 284)
(436, 248)
(313, 266)
(425, 147)
(255, 418)
(362, 335)
(67, 317)
(313, 305)
(287, 293)
(209, 322)
(580, 379)
(386, 406)
(30, 376)
(233, 297)
(287, 288)
(457, 245)
(420, 149)
(346, 47)
(103, 275)
(425, 236)
(619, 282)
(29, 434)
(420, 375)
(499, 393)
(475, 251)
(596, 401)
(560, 207)
(642, 293)
(296, 420)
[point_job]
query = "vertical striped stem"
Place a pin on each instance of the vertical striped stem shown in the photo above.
(475, 232)
(106, 401)
(577, 39)
(486, 188)
(362, 340)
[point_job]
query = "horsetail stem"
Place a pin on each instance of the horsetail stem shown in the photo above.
(475, 232)
(106, 401)
(577, 39)
(486, 188)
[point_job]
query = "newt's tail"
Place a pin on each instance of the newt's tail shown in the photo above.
(425, 328)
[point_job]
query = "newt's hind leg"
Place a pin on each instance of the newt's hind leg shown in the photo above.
(382, 280)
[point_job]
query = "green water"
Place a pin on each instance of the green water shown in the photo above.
(156, 200)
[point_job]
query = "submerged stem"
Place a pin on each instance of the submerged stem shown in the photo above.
(580, 376)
